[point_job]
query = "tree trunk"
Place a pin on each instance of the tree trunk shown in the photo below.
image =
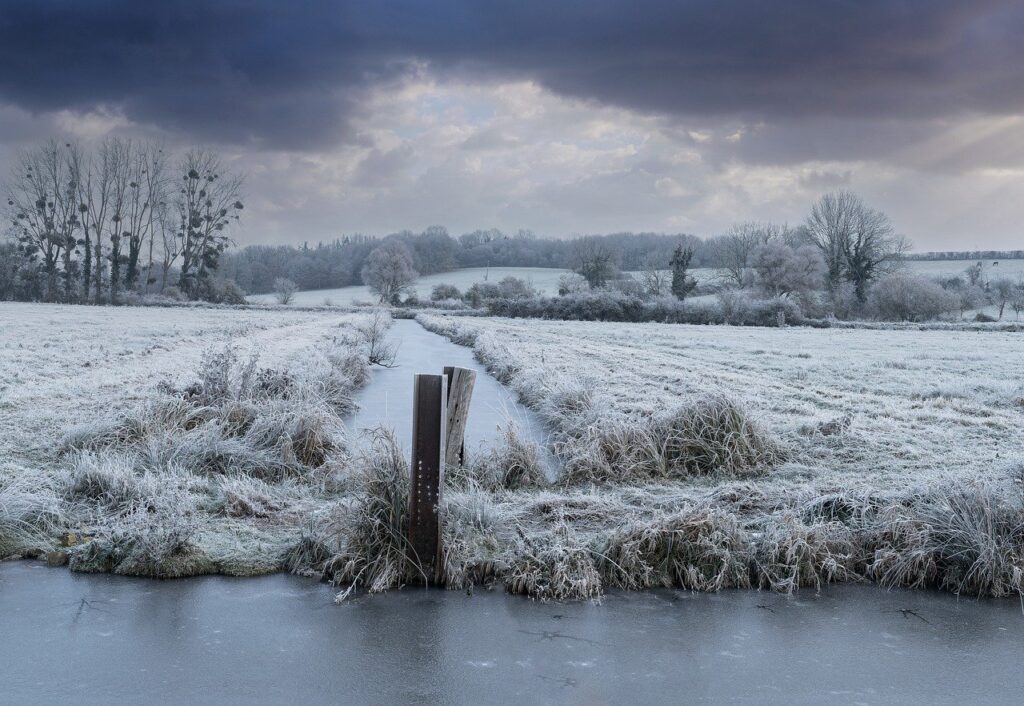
(98, 276)
(86, 265)
(51, 278)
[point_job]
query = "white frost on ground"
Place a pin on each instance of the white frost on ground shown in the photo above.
(543, 279)
(64, 365)
(920, 404)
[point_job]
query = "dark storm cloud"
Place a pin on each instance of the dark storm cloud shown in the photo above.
(291, 74)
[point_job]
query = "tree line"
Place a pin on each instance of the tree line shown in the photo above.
(98, 223)
(340, 263)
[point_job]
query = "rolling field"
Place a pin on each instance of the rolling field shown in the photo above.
(543, 279)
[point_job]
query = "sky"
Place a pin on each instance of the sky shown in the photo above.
(563, 118)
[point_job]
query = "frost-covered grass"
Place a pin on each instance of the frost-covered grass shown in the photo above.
(179, 442)
(886, 406)
(696, 457)
(889, 456)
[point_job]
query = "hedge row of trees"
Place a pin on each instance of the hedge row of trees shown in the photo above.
(340, 263)
(92, 224)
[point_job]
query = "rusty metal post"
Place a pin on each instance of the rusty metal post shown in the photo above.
(460, 392)
(428, 455)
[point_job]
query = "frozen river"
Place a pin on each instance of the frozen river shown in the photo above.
(280, 639)
(387, 399)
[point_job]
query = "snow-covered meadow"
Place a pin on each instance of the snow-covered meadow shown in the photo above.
(64, 365)
(542, 279)
(898, 407)
(697, 457)
(180, 440)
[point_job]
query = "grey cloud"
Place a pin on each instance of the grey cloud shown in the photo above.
(293, 74)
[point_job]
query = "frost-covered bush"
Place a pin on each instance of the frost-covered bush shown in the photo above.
(374, 330)
(441, 292)
(783, 270)
(628, 286)
(572, 283)
(845, 304)
(284, 290)
(906, 297)
(611, 305)
(515, 288)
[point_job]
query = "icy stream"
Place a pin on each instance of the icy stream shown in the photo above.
(87, 638)
(387, 399)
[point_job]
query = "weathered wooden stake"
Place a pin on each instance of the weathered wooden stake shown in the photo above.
(428, 457)
(460, 392)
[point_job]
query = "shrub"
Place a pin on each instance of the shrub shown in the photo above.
(218, 291)
(907, 297)
(445, 291)
(610, 305)
(515, 288)
(284, 290)
(480, 293)
(572, 284)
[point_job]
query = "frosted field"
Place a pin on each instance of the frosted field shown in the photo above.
(64, 365)
(1013, 269)
(543, 279)
(918, 404)
(693, 457)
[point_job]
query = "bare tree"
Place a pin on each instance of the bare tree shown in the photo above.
(146, 187)
(97, 205)
(388, 271)
(284, 290)
(857, 242)
(737, 247)
(209, 200)
(44, 213)
(656, 281)
(379, 350)
(1017, 298)
(170, 244)
(1002, 291)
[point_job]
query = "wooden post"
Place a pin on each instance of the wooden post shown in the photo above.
(460, 392)
(428, 456)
